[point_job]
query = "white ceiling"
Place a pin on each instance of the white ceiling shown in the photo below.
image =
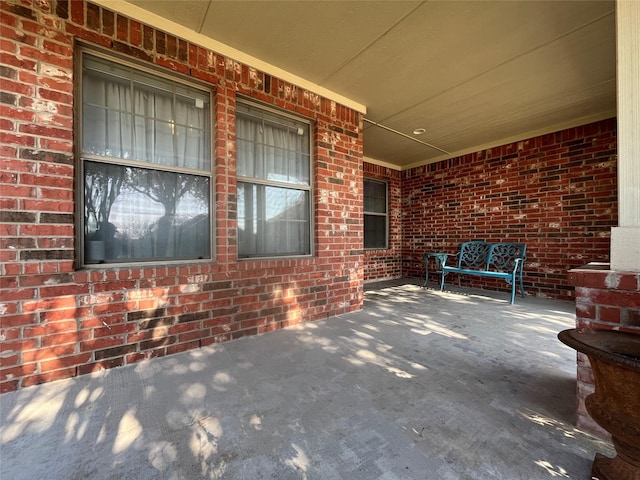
(473, 74)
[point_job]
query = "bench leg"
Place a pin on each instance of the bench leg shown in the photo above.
(521, 285)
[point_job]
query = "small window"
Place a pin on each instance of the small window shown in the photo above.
(274, 183)
(375, 214)
(145, 165)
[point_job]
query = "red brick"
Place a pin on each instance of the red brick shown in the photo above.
(609, 314)
(9, 386)
(48, 353)
(7, 321)
(616, 298)
(101, 365)
(101, 343)
(9, 360)
(121, 329)
(51, 328)
(64, 362)
(63, 290)
(37, 379)
(182, 347)
(110, 308)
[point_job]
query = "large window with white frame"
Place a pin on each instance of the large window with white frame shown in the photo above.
(145, 168)
(376, 219)
(274, 182)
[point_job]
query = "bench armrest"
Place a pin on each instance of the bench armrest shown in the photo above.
(518, 263)
(453, 255)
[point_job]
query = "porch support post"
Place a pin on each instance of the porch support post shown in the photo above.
(625, 239)
(608, 295)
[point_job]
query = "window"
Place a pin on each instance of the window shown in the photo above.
(274, 183)
(145, 165)
(375, 214)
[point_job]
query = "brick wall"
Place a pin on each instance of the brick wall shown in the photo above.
(58, 322)
(556, 193)
(386, 263)
(605, 300)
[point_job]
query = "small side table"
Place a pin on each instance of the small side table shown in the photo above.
(440, 260)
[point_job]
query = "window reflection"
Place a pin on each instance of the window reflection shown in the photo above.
(272, 220)
(140, 214)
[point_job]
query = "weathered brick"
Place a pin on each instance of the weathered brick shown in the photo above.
(145, 314)
(192, 317)
(31, 380)
(158, 343)
(540, 207)
(115, 351)
(101, 365)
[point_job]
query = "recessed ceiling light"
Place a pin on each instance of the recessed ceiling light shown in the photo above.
(419, 131)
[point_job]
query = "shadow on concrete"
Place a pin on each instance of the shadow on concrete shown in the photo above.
(421, 384)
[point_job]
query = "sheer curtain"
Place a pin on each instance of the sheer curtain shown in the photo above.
(273, 196)
(163, 132)
(148, 213)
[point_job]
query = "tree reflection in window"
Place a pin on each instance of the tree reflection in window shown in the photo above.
(142, 214)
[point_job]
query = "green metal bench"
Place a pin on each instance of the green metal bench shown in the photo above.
(493, 260)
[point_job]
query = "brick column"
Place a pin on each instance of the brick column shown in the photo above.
(605, 299)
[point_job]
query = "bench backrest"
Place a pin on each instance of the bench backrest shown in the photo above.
(474, 255)
(500, 257)
(503, 256)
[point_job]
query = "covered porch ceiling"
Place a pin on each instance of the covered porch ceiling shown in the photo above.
(472, 74)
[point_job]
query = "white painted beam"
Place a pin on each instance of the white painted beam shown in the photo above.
(625, 239)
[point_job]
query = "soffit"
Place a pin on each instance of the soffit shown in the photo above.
(473, 74)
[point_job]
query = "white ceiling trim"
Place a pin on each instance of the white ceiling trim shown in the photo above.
(381, 163)
(132, 11)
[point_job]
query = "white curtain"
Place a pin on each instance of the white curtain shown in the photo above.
(164, 132)
(273, 151)
(272, 220)
(106, 131)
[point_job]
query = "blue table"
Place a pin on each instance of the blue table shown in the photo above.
(440, 260)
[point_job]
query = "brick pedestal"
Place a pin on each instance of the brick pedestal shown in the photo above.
(605, 299)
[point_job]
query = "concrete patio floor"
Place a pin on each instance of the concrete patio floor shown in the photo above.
(421, 384)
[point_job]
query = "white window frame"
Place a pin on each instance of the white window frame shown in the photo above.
(118, 161)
